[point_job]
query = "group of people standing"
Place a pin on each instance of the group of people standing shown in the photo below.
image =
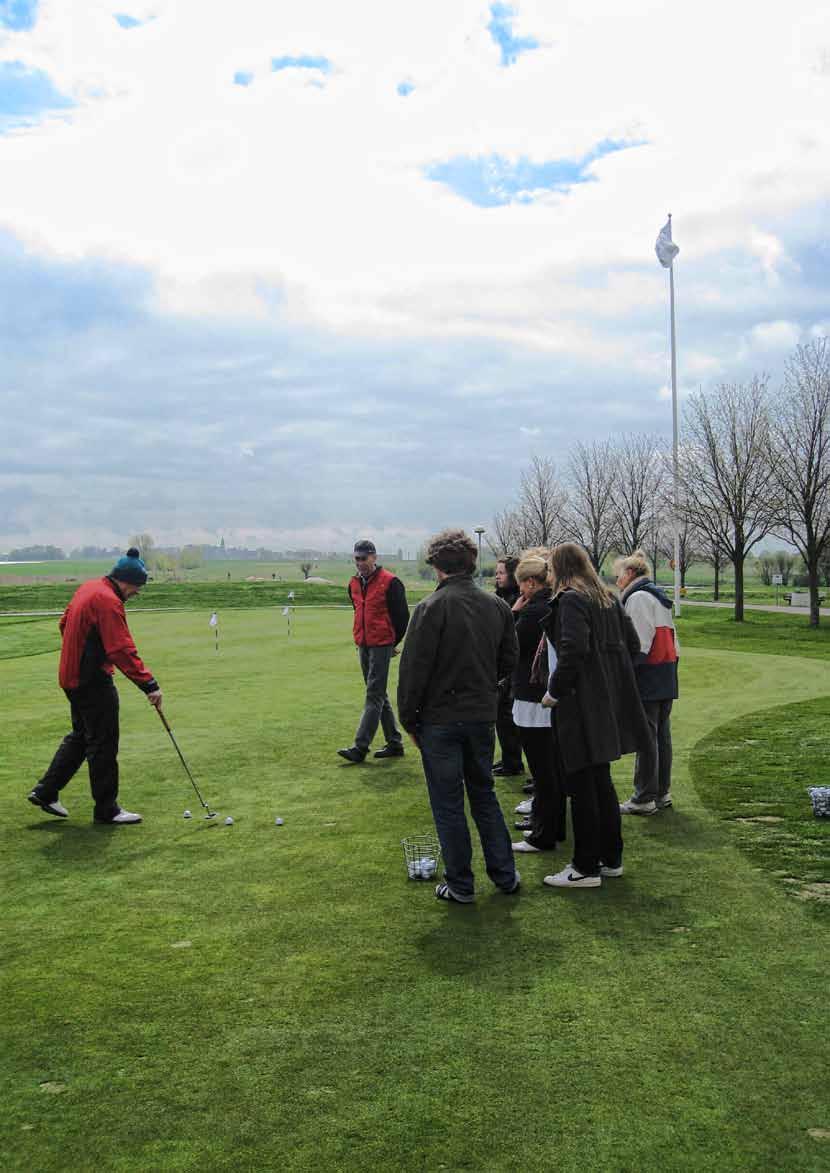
(570, 674)
(573, 675)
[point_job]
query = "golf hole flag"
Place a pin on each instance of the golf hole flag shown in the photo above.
(214, 623)
(665, 247)
(287, 613)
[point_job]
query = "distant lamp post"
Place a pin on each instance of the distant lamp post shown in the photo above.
(480, 530)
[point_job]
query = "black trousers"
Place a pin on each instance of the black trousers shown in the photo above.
(595, 816)
(511, 746)
(94, 737)
(548, 818)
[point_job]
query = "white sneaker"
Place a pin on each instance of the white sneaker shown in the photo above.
(606, 871)
(569, 877)
(525, 807)
(51, 808)
(121, 818)
(630, 807)
(523, 845)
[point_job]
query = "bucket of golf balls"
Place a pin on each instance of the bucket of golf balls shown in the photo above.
(820, 798)
(422, 854)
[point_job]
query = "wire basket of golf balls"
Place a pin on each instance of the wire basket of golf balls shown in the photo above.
(820, 798)
(422, 854)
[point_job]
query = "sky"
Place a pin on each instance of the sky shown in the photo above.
(296, 273)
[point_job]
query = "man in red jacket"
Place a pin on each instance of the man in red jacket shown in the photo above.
(381, 616)
(96, 638)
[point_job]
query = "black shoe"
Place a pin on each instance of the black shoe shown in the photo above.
(523, 825)
(528, 788)
(389, 751)
(502, 771)
(352, 754)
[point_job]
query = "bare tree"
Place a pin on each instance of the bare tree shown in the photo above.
(591, 513)
(640, 473)
(504, 529)
(803, 464)
(305, 567)
(728, 476)
(542, 502)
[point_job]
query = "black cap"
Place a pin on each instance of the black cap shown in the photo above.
(364, 546)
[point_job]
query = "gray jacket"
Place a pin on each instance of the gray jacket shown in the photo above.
(460, 643)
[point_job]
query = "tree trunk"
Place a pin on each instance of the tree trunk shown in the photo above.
(812, 578)
(739, 586)
(716, 564)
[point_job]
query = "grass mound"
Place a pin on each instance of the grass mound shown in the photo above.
(770, 633)
(208, 596)
(755, 773)
(28, 637)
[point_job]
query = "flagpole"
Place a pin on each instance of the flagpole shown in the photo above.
(675, 458)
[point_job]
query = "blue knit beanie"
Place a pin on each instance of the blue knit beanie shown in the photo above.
(130, 568)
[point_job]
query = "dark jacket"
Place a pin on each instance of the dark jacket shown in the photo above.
(461, 642)
(96, 637)
(600, 715)
(528, 632)
(510, 593)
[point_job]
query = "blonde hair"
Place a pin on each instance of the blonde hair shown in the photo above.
(533, 564)
(636, 562)
(572, 567)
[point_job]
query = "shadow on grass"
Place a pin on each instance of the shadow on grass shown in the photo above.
(74, 842)
(471, 941)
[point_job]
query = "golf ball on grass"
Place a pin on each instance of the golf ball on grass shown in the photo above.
(187, 815)
(279, 822)
(229, 821)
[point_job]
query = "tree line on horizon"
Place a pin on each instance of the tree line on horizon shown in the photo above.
(754, 462)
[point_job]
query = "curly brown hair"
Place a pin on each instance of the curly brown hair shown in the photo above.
(452, 551)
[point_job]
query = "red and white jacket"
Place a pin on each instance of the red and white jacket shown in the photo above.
(650, 611)
(96, 639)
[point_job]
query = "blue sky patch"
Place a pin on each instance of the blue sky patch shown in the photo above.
(18, 14)
(25, 93)
(500, 29)
(490, 181)
(126, 21)
(304, 61)
(405, 88)
(242, 78)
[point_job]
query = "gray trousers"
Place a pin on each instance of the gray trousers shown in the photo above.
(652, 771)
(374, 663)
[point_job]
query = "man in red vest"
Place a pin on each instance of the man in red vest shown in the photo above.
(381, 616)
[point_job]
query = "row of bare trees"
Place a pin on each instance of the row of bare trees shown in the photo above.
(752, 463)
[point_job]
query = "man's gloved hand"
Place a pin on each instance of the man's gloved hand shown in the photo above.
(155, 698)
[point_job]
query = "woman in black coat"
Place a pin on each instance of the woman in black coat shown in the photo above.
(511, 747)
(533, 722)
(597, 712)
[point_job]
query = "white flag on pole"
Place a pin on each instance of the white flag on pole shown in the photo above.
(291, 594)
(214, 621)
(286, 610)
(665, 247)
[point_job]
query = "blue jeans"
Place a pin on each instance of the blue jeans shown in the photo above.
(455, 756)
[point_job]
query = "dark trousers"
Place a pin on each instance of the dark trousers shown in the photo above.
(374, 664)
(652, 771)
(548, 817)
(454, 757)
(94, 737)
(595, 817)
(511, 746)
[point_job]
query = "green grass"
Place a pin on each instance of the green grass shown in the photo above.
(770, 633)
(756, 773)
(254, 997)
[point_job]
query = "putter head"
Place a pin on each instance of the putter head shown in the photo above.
(211, 814)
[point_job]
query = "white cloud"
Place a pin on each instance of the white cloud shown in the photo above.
(778, 335)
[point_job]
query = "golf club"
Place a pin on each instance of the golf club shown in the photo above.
(211, 814)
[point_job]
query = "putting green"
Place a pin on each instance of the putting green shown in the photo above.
(184, 996)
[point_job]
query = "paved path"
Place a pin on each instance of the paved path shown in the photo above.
(805, 611)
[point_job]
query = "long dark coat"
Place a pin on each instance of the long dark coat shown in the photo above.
(599, 716)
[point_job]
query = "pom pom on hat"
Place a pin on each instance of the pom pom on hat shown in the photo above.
(130, 568)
